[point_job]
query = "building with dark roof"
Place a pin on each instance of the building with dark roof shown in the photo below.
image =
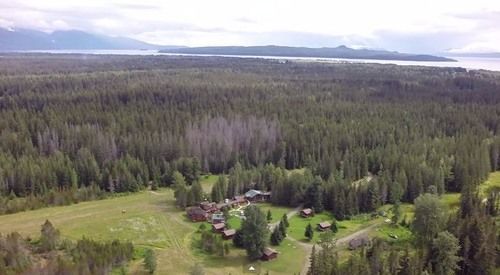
(269, 254)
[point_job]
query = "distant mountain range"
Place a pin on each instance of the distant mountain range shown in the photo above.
(25, 39)
(338, 52)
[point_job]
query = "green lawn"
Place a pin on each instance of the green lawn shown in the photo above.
(277, 212)
(290, 260)
(150, 220)
(207, 181)
(298, 225)
(346, 227)
(493, 181)
(395, 234)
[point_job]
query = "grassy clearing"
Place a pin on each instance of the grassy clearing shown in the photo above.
(207, 181)
(493, 181)
(150, 220)
(277, 212)
(394, 234)
(290, 260)
(298, 225)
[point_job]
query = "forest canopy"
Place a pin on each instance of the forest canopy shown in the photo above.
(83, 126)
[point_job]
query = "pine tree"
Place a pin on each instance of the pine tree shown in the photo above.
(309, 233)
(269, 216)
(284, 220)
(49, 237)
(254, 232)
(150, 261)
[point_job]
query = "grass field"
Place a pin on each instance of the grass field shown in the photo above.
(150, 220)
(277, 212)
(207, 181)
(395, 234)
(298, 225)
(290, 259)
(493, 181)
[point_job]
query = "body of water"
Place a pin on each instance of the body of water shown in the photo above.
(475, 63)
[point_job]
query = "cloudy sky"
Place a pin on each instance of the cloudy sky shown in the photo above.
(405, 25)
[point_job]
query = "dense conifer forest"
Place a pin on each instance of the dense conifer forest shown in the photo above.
(77, 127)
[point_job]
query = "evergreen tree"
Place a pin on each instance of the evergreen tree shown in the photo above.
(445, 248)
(269, 216)
(150, 261)
(284, 220)
(309, 233)
(49, 237)
(254, 232)
(430, 217)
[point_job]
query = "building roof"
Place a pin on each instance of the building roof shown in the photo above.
(239, 199)
(196, 211)
(218, 226)
(252, 193)
(207, 205)
(229, 232)
(269, 251)
(306, 211)
(324, 224)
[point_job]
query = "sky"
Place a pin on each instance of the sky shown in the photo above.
(417, 26)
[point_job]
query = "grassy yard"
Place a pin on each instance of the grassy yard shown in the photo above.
(150, 220)
(493, 181)
(394, 234)
(346, 227)
(277, 212)
(207, 181)
(290, 260)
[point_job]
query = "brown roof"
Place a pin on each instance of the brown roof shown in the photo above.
(195, 211)
(306, 211)
(324, 224)
(218, 226)
(269, 251)
(229, 232)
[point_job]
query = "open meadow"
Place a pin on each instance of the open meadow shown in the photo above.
(149, 219)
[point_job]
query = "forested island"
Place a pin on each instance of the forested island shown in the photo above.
(77, 128)
(337, 52)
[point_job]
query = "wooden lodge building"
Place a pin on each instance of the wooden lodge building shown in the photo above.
(218, 227)
(269, 254)
(323, 226)
(196, 214)
(228, 234)
(306, 212)
(257, 196)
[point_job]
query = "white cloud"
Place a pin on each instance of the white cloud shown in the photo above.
(238, 22)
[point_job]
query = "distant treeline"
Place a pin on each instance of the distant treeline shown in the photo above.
(119, 124)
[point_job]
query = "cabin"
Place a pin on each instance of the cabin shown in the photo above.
(208, 207)
(269, 254)
(218, 218)
(359, 242)
(323, 226)
(228, 234)
(257, 196)
(218, 227)
(196, 214)
(239, 200)
(306, 212)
